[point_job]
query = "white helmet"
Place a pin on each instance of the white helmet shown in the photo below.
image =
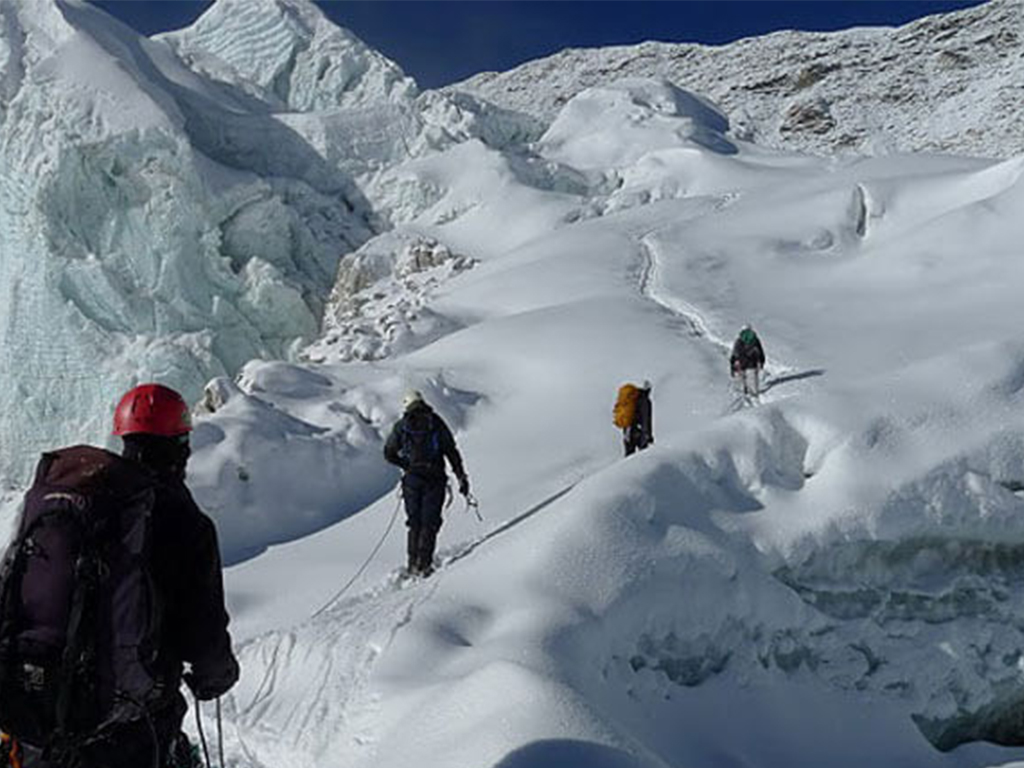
(412, 397)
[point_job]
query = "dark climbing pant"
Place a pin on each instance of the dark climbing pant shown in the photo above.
(424, 500)
(634, 439)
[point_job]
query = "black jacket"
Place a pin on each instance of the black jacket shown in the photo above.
(747, 355)
(187, 574)
(395, 447)
(185, 571)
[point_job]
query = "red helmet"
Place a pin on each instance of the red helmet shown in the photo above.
(152, 409)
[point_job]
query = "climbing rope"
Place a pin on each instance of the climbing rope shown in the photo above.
(202, 735)
(338, 595)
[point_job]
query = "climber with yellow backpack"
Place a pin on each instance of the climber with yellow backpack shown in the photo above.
(633, 414)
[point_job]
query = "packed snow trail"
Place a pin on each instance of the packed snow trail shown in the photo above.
(446, 556)
(651, 287)
(460, 551)
(368, 621)
(373, 553)
(315, 678)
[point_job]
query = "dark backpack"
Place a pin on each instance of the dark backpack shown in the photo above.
(746, 352)
(421, 441)
(79, 616)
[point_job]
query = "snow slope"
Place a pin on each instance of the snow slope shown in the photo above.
(829, 575)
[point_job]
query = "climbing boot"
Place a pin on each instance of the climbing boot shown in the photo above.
(412, 566)
(427, 542)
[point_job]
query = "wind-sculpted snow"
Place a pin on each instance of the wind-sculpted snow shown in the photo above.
(912, 600)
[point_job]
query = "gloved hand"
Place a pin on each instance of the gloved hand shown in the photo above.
(208, 685)
(464, 485)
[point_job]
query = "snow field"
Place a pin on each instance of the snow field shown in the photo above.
(847, 548)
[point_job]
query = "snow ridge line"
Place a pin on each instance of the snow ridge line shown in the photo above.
(460, 551)
(509, 524)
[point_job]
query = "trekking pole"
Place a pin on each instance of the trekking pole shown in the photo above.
(202, 736)
(220, 736)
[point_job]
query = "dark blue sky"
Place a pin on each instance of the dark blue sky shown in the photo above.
(443, 41)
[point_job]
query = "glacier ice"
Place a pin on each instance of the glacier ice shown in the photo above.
(149, 227)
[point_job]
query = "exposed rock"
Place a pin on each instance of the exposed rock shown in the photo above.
(813, 117)
(379, 303)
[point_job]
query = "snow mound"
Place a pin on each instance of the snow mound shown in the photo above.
(240, 477)
(615, 125)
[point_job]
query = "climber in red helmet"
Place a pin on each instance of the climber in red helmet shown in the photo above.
(111, 585)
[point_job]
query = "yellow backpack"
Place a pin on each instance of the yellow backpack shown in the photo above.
(625, 406)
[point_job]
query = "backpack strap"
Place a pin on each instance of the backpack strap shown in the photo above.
(79, 650)
(431, 429)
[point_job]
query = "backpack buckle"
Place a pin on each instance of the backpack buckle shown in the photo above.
(33, 678)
